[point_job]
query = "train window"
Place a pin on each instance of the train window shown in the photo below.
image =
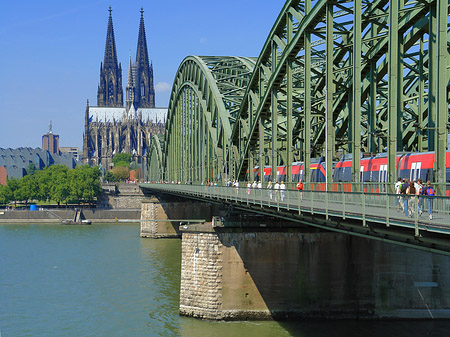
(361, 173)
(415, 171)
(383, 173)
(347, 174)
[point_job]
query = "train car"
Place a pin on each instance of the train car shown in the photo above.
(374, 169)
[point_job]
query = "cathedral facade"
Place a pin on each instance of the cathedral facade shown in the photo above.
(112, 127)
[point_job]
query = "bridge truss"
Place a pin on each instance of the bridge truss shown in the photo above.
(333, 77)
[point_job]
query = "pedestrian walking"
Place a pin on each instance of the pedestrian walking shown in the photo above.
(403, 193)
(269, 187)
(300, 189)
(430, 193)
(411, 193)
(397, 190)
(282, 190)
(419, 187)
(276, 189)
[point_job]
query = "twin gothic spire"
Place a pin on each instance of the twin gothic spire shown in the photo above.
(140, 89)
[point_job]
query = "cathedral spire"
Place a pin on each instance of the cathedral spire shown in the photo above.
(110, 60)
(110, 92)
(143, 81)
(142, 52)
(130, 87)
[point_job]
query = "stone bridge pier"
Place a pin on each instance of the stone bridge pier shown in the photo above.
(237, 274)
(161, 217)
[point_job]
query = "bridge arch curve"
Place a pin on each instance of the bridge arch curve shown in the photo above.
(205, 97)
(332, 79)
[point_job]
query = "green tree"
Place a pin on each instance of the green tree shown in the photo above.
(110, 177)
(59, 185)
(43, 179)
(84, 183)
(4, 195)
(28, 188)
(121, 164)
(31, 169)
(122, 158)
(12, 185)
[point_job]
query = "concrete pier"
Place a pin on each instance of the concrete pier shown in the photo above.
(235, 275)
(156, 216)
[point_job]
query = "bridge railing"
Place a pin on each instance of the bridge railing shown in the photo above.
(388, 209)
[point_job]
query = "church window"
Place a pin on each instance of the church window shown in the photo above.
(110, 89)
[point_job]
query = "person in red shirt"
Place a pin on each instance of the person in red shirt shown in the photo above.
(300, 189)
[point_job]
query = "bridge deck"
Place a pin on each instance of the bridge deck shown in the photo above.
(386, 209)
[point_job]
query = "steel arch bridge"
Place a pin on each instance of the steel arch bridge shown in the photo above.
(333, 77)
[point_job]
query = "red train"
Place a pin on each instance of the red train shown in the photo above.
(372, 169)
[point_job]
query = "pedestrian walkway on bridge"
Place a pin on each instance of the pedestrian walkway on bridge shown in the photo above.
(382, 208)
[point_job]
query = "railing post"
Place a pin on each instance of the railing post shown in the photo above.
(387, 208)
(277, 196)
(312, 201)
(343, 204)
(299, 198)
(288, 192)
(364, 208)
(416, 216)
(326, 204)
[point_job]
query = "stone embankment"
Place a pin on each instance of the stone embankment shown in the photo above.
(117, 203)
(57, 215)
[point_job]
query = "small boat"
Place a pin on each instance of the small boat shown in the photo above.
(71, 222)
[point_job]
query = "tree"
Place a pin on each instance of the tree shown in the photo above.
(123, 158)
(27, 189)
(43, 179)
(31, 169)
(122, 173)
(12, 185)
(121, 164)
(84, 183)
(110, 177)
(59, 186)
(4, 195)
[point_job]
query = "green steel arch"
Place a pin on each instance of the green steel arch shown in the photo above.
(318, 91)
(155, 160)
(333, 78)
(206, 96)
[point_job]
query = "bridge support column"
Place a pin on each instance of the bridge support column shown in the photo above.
(156, 216)
(267, 275)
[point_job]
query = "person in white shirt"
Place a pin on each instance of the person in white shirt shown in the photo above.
(269, 187)
(282, 190)
(276, 188)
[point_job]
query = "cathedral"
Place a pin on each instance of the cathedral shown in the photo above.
(112, 127)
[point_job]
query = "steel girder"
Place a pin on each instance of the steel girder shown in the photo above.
(155, 161)
(206, 96)
(317, 91)
(333, 78)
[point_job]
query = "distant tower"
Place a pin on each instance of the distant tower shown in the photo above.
(50, 141)
(144, 93)
(131, 85)
(110, 92)
(86, 136)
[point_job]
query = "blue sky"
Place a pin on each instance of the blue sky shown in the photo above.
(50, 53)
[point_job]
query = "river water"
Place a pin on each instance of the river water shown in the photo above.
(103, 280)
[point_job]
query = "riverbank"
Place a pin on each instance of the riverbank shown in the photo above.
(57, 215)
